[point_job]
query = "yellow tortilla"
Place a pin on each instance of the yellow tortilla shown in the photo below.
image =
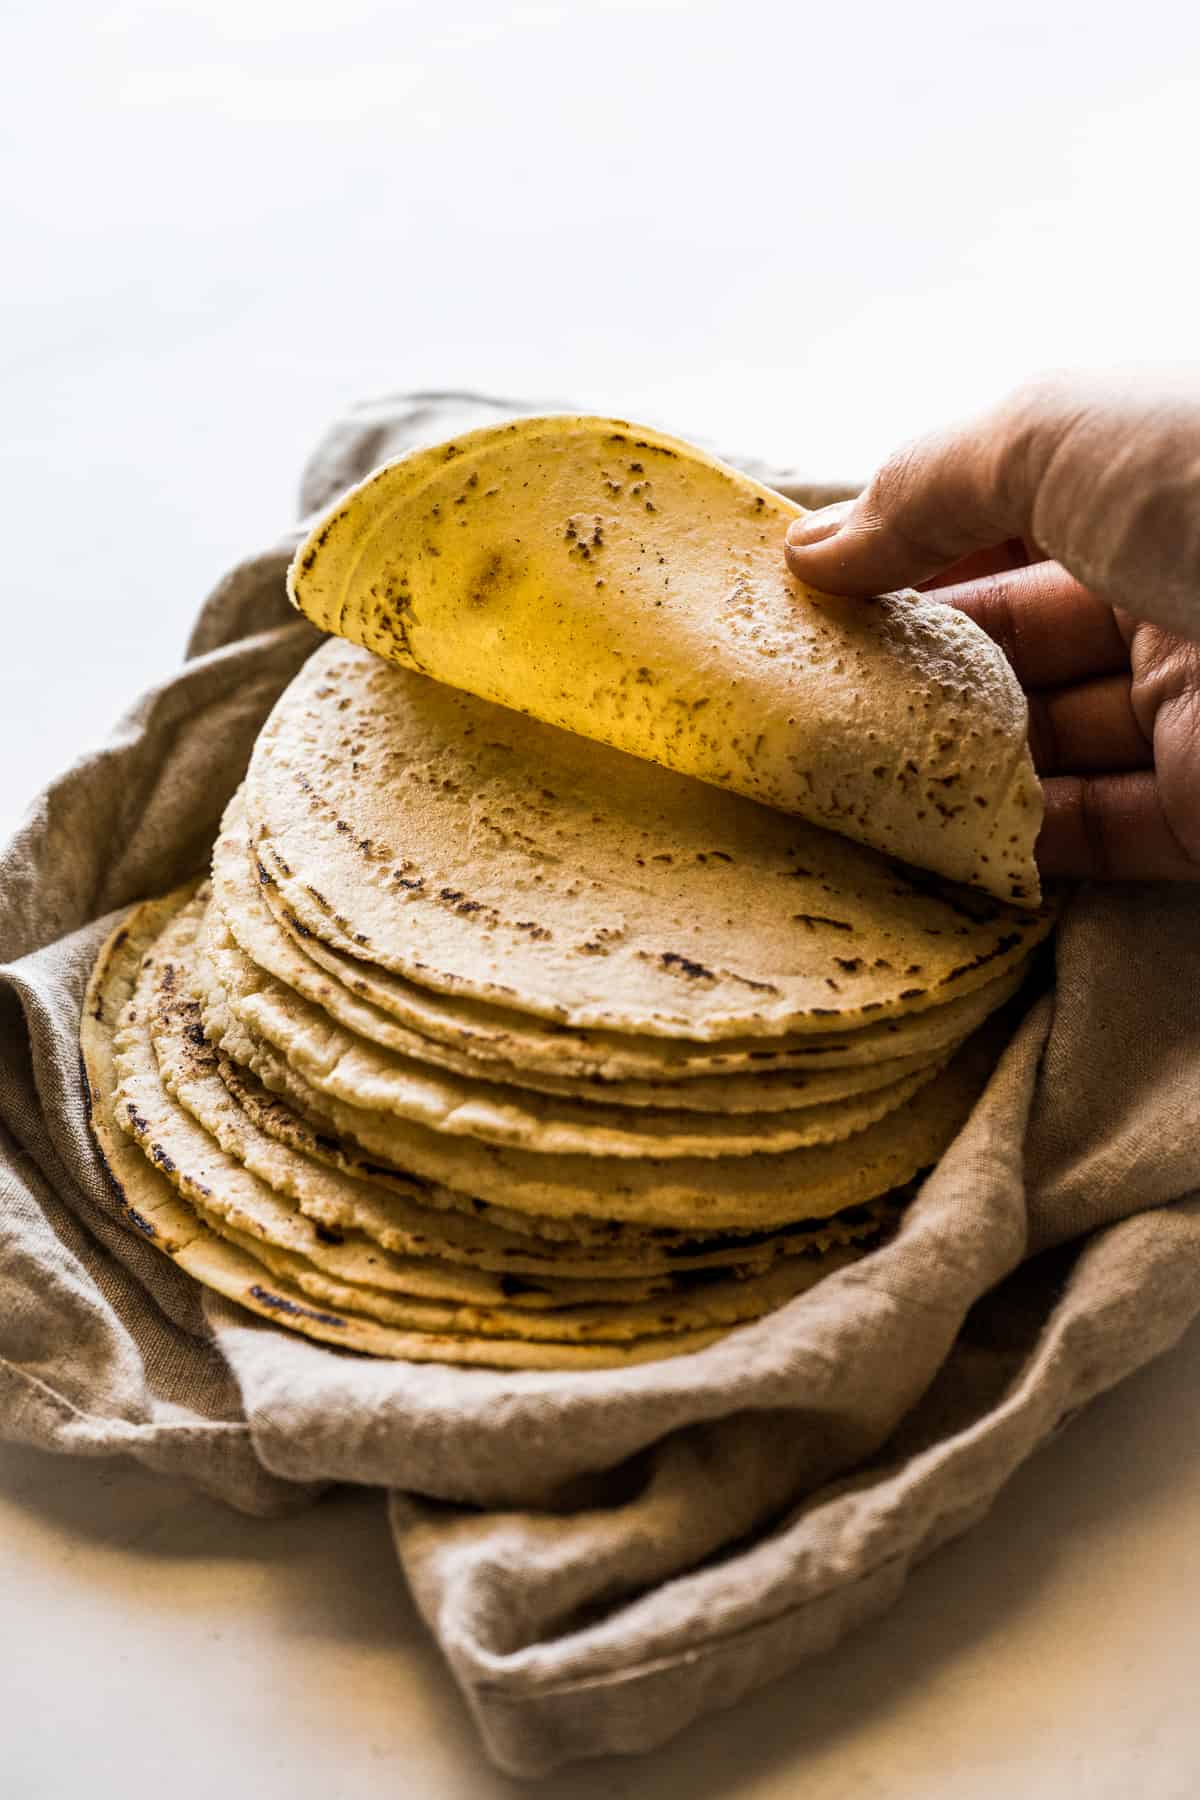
(242, 910)
(152, 1208)
(699, 1195)
(482, 854)
(348, 1067)
(605, 1060)
(625, 586)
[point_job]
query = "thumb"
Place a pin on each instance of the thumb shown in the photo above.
(938, 499)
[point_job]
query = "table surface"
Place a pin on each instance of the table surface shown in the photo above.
(808, 236)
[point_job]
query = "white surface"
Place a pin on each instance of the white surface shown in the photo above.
(157, 1644)
(805, 232)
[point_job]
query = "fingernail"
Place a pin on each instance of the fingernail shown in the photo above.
(815, 527)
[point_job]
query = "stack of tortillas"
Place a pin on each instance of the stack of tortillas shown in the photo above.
(583, 1037)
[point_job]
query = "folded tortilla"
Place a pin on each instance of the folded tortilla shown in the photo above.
(625, 586)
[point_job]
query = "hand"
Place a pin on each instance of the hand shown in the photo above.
(1066, 523)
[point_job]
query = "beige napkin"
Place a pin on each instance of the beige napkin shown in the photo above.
(601, 1557)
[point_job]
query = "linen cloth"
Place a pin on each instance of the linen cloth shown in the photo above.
(601, 1556)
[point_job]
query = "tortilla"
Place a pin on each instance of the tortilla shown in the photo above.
(378, 1201)
(625, 586)
(723, 1303)
(700, 1194)
(357, 1276)
(238, 899)
(165, 1052)
(414, 1087)
(149, 1206)
(404, 824)
(604, 1059)
(423, 1238)
(146, 1203)
(166, 1074)
(350, 1068)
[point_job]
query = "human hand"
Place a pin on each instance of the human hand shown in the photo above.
(1066, 523)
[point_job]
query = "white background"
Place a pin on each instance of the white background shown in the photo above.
(806, 232)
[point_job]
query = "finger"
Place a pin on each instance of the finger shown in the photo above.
(1052, 629)
(1110, 828)
(1087, 729)
(957, 491)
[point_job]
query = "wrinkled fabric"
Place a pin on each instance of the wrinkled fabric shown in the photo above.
(602, 1557)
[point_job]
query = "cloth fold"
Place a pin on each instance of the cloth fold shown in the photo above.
(601, 1557)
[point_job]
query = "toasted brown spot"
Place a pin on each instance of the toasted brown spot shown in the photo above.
(279, 1304)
